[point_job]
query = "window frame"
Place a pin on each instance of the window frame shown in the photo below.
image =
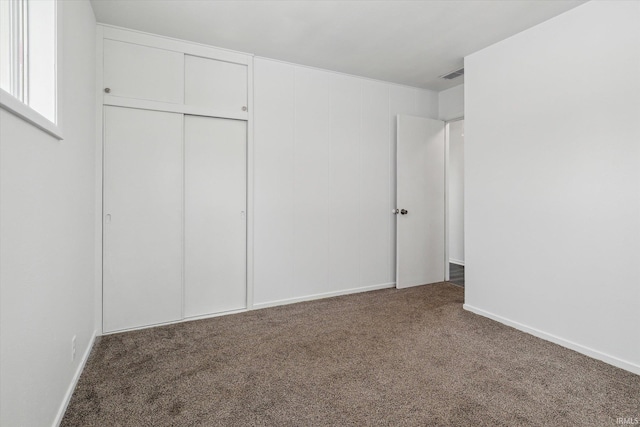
(22, 110)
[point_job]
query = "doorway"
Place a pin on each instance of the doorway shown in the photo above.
(455, 202)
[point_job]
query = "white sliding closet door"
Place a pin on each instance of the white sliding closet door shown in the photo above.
(143, 156)
(215, 215)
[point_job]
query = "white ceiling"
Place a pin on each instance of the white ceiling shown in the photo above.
(407, 42)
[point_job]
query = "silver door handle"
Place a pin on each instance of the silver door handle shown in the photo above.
(403, 211)
(395, 211)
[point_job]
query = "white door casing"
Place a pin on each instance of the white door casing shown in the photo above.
(420, 245)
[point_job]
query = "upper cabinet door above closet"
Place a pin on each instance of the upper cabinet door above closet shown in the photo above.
(215, 84)
(142, 72)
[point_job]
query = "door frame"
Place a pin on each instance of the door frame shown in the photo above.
(447, 123)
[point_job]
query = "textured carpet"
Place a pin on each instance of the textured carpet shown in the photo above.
(409, 357)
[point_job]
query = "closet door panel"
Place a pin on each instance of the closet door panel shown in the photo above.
(142, 72)
(215, 215)
(215, 84)
(142, 218)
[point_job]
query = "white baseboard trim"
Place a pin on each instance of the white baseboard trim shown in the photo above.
(211, 315)
(323, 295)
(173, 322)
(258, 306)
(587, 351)
(456, 261)
(74, 381)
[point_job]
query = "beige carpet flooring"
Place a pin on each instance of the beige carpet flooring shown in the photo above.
(408, 357)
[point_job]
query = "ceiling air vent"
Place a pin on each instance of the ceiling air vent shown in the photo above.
(452, 75)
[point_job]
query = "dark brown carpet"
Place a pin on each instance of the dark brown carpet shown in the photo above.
(408, 357)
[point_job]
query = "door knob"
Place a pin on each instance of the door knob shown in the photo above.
(403, 211)
(395, 211)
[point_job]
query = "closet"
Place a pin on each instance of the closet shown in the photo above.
(175, 132)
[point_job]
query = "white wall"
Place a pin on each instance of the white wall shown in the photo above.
(451, 103)
(455, 195)
(47, 199)
(325, 180)
(552, 127)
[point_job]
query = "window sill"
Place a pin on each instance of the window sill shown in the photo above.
(28, 114)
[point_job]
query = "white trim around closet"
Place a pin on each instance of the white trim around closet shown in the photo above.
(167, 43)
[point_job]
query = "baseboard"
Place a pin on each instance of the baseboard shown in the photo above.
(587, 351)
(211, 315)
(456, 261)
(74, 382)
(323, 295)
(173, 322)
(259, 306)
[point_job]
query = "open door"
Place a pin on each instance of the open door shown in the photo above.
(420, 203)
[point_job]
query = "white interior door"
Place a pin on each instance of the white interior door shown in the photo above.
(420, 245)
(142, 282)
(215, 215)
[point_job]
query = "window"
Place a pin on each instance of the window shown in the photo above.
(28, 35)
